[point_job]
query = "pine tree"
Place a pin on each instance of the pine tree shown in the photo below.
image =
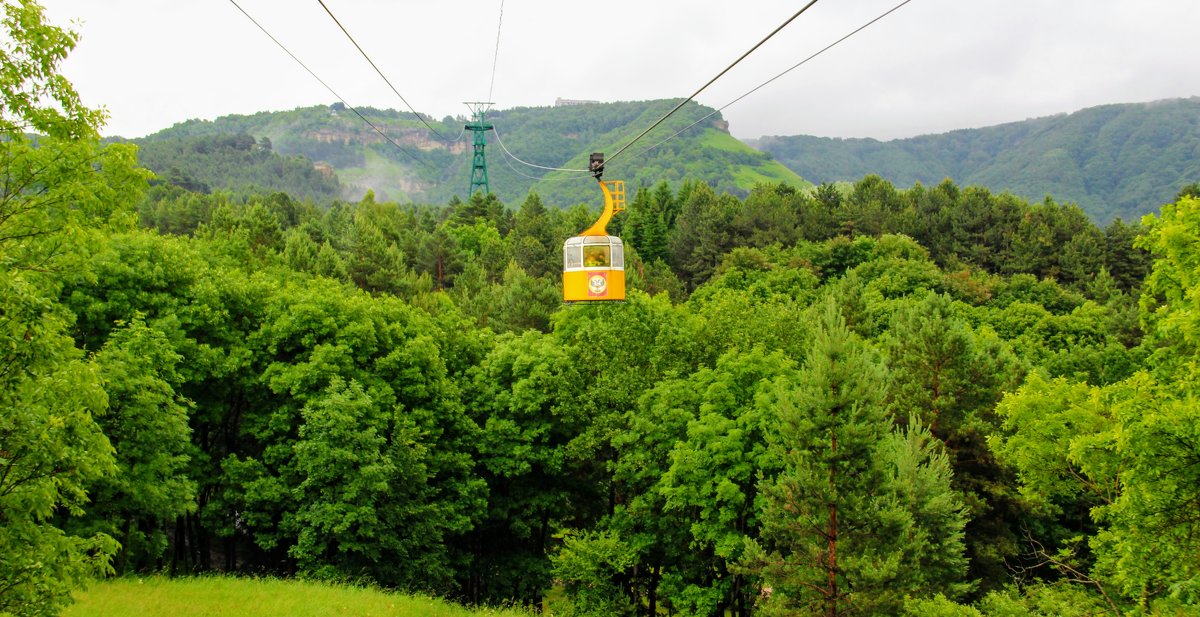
(950, 377)
(859, 516)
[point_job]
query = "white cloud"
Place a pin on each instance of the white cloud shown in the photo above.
(934, 65)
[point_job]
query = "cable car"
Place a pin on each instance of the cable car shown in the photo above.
(593, 261)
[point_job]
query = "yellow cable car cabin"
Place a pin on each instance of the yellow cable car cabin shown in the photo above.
(593, 268)
(593, 261)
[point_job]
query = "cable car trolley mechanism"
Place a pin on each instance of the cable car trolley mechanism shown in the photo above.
(593, 261)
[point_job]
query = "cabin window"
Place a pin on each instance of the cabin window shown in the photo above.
(596, 257)
(618, 256)
(572, 256)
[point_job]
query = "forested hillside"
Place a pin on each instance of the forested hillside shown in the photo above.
(433, 168)
(1113, 161)
(936, 400)
(237, 163)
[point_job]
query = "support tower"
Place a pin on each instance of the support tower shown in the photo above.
(478, 126)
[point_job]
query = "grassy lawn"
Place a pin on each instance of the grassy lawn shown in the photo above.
(246, 597)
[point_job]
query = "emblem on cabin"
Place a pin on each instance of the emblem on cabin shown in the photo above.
(597, 283)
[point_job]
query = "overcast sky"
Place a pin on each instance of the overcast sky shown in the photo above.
(933, 66)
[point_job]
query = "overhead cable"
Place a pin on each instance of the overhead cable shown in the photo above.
(710, 82)
(331, 90)
(534, 178)
(385, 79)
(496, 130)
(460, 133)
(518, 172)
(543, 178)
(785, 72)
(496, 57)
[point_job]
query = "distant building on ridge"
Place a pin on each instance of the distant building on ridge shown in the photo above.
(561, 102)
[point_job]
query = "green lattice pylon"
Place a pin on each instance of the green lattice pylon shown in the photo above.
(478, 126)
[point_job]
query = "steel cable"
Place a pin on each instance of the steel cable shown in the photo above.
(385, 79)
(330, 89)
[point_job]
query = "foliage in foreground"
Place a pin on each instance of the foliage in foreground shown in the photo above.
(58, 192)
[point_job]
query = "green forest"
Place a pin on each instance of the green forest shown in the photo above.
(1115, 161)
(831, 400)
(237, 163)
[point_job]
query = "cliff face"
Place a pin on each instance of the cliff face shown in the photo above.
(325, 169)
(419, 138)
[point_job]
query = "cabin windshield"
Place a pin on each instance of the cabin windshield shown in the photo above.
(596, 257)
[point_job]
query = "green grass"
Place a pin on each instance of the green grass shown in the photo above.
(256, 597)
(771, 172)
(746, 177)
(712, 138)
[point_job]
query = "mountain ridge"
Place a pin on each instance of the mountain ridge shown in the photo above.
(1118, 160)
(435, 171)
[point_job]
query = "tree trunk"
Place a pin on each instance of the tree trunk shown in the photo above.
(652, 592)
(123, 558)
(230, 553)
(739, 596)
(200, 544)
(831, 567)
(831, 599)
(937, 395)
(180, 547)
